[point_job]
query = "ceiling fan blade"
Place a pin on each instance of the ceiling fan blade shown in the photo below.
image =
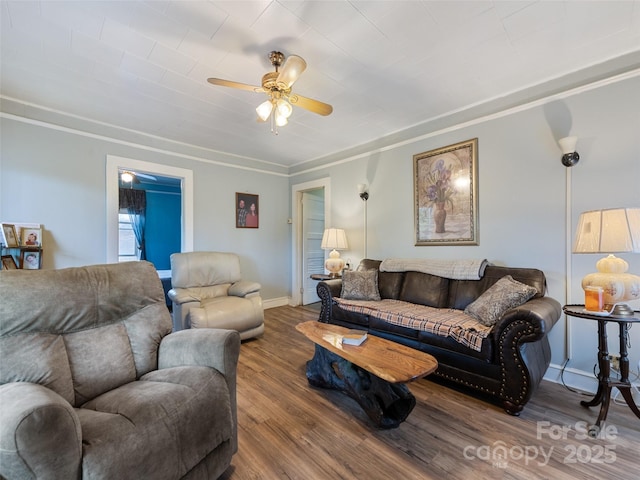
(145, 175)
(310, 104)
(229, 83)
(291, 70)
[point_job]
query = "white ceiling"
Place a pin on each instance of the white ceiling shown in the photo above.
(384, 65)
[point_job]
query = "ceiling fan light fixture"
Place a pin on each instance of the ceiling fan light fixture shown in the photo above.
(281, 120)
(264, 110)
(277, 85)
(284, 108)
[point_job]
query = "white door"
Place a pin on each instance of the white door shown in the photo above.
(312, 254)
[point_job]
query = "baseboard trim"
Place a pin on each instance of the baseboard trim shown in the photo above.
(573, 378)
(275, 302)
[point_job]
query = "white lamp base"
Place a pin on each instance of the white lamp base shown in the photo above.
(617, 286)
(334, 263)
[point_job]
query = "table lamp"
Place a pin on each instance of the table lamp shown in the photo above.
(611, 231)
(334, 239)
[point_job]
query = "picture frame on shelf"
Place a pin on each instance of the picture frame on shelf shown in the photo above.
(30, 259)
(247, 210)
(31, 237)
(9, 235)
(8, 263)
(446, 195)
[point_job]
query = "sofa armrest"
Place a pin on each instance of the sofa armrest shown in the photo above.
(244, 288)
(206, 347)
(40, 434)
(535, 318)
(327, 290)
(523, 349)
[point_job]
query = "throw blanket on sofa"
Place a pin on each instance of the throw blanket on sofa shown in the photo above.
(454, 269)
(440, 321)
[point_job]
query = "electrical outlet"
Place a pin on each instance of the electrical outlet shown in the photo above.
(615, 362)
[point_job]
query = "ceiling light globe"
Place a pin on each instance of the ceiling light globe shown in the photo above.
(284, 108)
(280, 120)
(264, 110)
(127, 177)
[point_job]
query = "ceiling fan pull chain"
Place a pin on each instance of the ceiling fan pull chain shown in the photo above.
(274, 127)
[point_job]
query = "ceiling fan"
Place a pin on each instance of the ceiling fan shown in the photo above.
(277, 85)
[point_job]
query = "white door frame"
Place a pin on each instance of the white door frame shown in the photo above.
(296, 231)
(114, 163)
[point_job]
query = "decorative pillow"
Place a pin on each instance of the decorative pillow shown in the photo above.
(506, 293)
(360, 285)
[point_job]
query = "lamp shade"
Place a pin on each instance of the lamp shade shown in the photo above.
(568, 144)
(615, 230)
(334, 239)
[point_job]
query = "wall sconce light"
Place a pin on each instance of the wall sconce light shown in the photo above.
(363, 191)
(569, 155)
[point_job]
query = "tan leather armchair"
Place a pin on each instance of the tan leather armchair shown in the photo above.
(208, 292)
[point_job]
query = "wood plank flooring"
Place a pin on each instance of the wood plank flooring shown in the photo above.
(289, 430)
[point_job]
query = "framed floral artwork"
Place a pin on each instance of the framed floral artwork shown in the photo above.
(446, 195)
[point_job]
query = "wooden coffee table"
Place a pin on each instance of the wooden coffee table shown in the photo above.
(374, 373)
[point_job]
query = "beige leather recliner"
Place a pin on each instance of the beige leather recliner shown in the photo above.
(208, 292)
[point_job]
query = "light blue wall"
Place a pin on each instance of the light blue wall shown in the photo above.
(523, 192)
(57, 178)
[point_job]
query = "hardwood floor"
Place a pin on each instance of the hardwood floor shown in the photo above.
(289, 430)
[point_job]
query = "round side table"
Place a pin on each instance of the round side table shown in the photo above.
(605, 383)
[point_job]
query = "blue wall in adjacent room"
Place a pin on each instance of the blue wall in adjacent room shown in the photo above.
(162, 231)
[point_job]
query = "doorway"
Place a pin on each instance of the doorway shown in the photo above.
(185, 177)
(310, 213)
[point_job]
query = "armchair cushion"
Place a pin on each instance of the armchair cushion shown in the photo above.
(194, 269)
(185, 409)
(37, 358)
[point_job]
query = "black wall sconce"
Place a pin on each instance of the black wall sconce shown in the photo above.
(363, 191)
(569, 155)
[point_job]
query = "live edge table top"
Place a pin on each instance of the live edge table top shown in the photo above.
(388, 360)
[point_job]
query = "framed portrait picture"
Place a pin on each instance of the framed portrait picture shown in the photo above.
(31, 237)
(446, 195)
(30, 259)
(247, 210)
(8, 263)
(9, 235)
